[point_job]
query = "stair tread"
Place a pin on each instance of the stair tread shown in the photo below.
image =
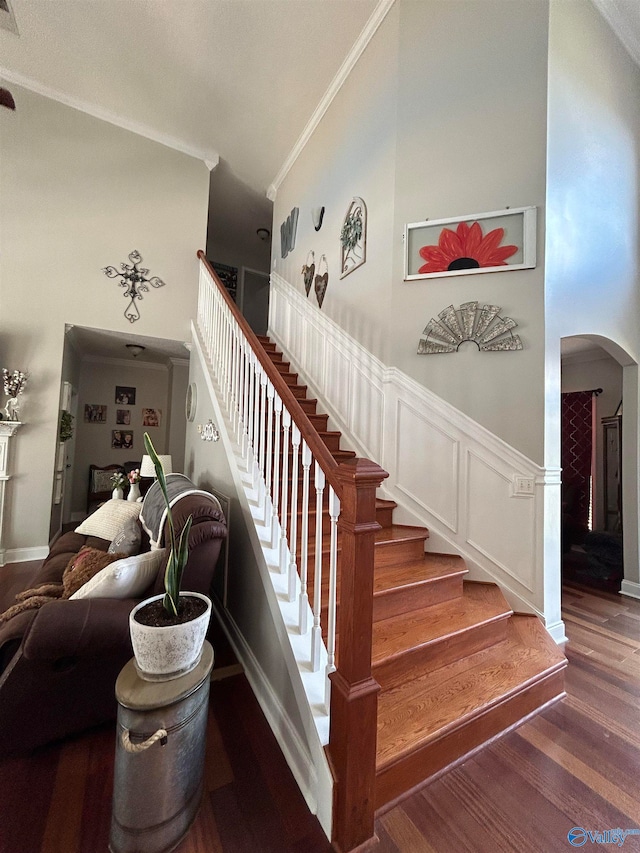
(400, 533)
(479, 604)
(432, 567)
(422, 709)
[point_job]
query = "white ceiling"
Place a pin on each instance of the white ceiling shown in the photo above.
(236, 79)
(103, 344)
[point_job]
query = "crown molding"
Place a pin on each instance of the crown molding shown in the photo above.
(179, 362)
(210, 157)
(370, 29)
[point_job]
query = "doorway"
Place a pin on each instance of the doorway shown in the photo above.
(592, 387)
(253, 299)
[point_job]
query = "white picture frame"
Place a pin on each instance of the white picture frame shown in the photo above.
(519, 225)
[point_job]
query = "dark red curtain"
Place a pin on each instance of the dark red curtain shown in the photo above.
(577, 438)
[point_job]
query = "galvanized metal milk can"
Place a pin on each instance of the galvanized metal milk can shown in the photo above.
(160, 746)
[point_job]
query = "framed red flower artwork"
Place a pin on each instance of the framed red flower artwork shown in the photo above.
(485, 242)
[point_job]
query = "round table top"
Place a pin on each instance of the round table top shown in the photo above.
(140, 695)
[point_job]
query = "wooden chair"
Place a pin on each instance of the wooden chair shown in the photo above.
(100, 485)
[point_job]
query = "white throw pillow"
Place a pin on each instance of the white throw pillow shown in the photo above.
(107, 521)
(128, 578)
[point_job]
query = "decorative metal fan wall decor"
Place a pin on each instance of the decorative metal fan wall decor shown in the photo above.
(470, 322)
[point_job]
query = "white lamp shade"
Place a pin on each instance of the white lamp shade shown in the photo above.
(147, 468)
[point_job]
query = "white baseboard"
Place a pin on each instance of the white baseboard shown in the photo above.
(557, 632)
(294, 750)
(630, 588)
(24, 555)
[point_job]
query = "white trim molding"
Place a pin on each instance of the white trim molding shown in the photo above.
(630, 588)
(210, 157)
(370, 29)
(479, 497)
(23, 555)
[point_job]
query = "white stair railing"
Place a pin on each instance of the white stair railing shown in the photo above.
(270, 443)
(295, 485)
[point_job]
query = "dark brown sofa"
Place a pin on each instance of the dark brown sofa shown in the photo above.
(59, 664)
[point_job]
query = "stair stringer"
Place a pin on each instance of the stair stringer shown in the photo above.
(534, 589)
(307, 761)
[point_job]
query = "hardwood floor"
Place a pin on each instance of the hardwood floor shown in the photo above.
(577, 764)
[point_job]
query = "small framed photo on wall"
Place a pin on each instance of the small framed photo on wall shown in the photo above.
(125, 395)
(95, 414)
(151, 417)
(123, 417)
(122, 439)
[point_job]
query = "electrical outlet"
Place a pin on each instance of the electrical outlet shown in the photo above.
(523, 486)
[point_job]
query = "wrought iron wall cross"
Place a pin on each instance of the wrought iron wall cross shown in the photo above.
(134, 280)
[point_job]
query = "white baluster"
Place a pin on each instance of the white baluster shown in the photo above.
(293, 535)
(277, 451)
(246, 412)
(284, 526)
(262, 435)
(304, 540)
(316, 634)
(268, 462)
(334, 512)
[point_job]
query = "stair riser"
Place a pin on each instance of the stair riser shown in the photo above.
(418, 767)
(440, 652)
(394, 553)
(405, 599)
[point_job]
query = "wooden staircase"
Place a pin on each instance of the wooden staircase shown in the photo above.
(455, 665)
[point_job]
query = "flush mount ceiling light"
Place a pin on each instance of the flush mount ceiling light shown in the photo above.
(263, 234)
(135, 349)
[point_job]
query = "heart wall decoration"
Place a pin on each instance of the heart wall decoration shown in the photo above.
(308, 270)
(321, 281)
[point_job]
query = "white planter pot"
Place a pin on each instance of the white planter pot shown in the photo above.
(170, 651)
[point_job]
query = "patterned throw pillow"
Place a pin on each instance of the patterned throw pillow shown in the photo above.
(107, 521)
(128, 578)
(83, 566)
(127, 539)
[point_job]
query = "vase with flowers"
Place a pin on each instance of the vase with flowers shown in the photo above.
(117, 481)
(14, 385)
(134, 485)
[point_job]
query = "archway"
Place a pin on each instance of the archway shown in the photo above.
(593, 363)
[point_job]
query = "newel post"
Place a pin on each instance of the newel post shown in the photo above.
(354, 692)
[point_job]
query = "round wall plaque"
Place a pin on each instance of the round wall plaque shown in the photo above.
(191, 402)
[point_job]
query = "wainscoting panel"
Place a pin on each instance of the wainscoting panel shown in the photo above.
(500, 526)
(367, 412)
(337, 376)
(479, 497)
(425, 456)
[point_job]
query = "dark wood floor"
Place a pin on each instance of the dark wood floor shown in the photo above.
(575, 765)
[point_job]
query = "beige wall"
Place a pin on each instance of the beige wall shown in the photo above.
(78, 194)
(472, 139)
(593, 243)
(98, 380)
(352, 153)
(444, 114)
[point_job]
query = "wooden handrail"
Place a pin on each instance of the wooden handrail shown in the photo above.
(318, 448)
